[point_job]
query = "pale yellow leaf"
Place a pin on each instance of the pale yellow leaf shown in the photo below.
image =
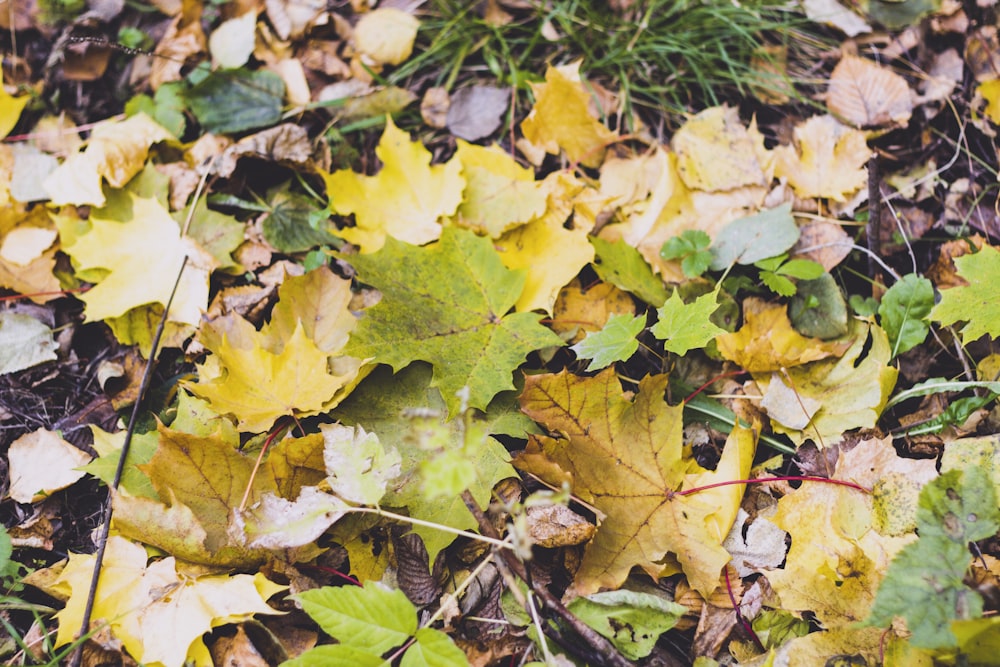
(826, 160)
(41, 462)
(868, 95)
(386, 35)
(716, 152)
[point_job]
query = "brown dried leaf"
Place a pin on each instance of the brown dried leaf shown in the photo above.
(868, 95)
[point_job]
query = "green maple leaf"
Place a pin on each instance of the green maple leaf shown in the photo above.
(686, 326)
(978, 303)
(447, 304)
(615, 342)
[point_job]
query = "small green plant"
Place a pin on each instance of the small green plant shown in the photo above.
(691, 248)
(368, 622)
(777, 273)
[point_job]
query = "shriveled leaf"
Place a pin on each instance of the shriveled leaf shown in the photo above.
(686, 326)
(756, 237)
(617, 341)
(625, 457)
(116, 151)
(459, 325)
(275, 523)
(561, 119)
(978, 303)
(755, 547)
(405, 200)
(40, 463)
(826, 159)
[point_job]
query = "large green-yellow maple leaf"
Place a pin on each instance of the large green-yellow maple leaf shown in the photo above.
(447, 304)
(159, 614)
(626, 457)
(138, 260)
(405, 201)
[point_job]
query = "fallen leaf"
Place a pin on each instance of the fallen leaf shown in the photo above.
(41, 463)
(826, 160)
(625, 457)
(561, 119)
(621, 265)
(24, 342)
(853, 389)
(386, 35)
(716, 152)
(499, 193)
(617, 341)
(868, 95)
(258, 386)
(10, 109)
(115, 152)
(686, 326)
(232, 43)
(149, 244)
(757, 547)
(405, 201)
(975, 303)
(639, 188)
(767, 342)
(578, 310)
(477, 112)
(461, 325)
(139, 601)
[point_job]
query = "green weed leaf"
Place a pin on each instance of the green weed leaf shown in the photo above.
(686, 327)
(631, 620)
(615, 342)
(755, 237)
(691, 247)
(622, 266)
(904, 310)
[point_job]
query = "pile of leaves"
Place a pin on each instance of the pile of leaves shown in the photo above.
(578, 397)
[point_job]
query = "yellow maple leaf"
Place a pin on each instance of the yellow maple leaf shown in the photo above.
(551, 254)
(499, 193)
(716, 152)
(135, 263)
(767, 342)
(561, 118)
(115, 152)
(405, 200)
(827, 159)
(158, 615)
(626, 457)
(10, 109)
(258, 386)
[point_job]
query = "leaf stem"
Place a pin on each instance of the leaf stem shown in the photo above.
(502, 544)
(762, 480)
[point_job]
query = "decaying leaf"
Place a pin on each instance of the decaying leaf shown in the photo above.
(868, 95)
(626, 458)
